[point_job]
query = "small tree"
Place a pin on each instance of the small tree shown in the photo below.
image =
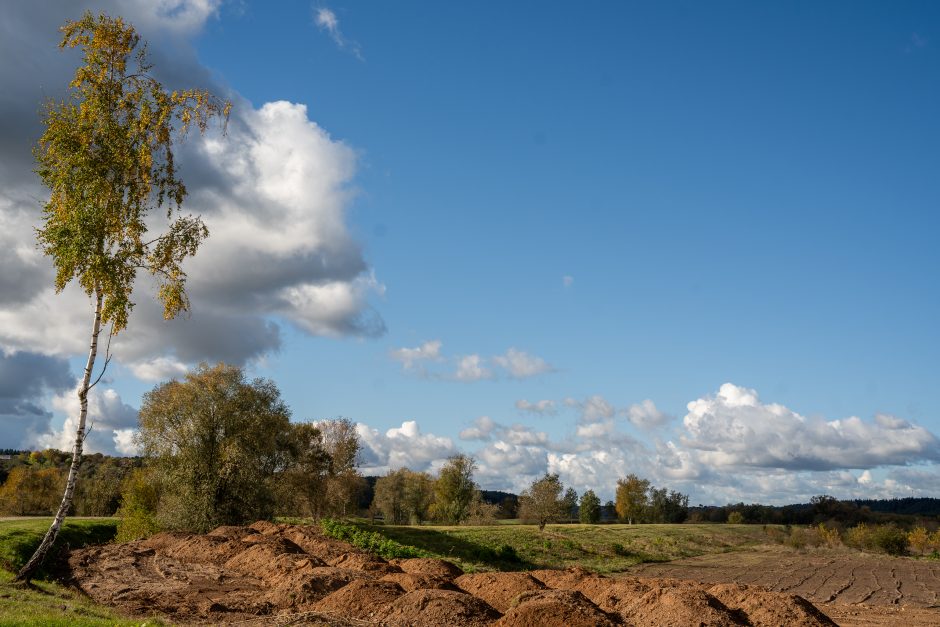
(106, 157)
(631, 498)
(454, 488)
(542, 503)
(589, 511)
(404, 496)
(217, 442)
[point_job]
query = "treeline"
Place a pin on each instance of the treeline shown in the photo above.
(33, 482)
(822, 509)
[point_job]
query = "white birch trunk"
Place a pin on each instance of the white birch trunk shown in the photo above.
(27, 572)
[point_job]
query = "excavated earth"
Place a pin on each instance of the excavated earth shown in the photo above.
(269, 574)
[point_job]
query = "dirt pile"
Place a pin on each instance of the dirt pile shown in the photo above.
(277, 573)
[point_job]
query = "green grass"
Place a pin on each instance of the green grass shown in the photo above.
(47, 602)
(602, 548)
(19, 538)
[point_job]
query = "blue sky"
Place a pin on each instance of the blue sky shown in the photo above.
(644, 201)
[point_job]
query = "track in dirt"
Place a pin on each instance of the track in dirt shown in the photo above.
(270, 574)
(854, 588)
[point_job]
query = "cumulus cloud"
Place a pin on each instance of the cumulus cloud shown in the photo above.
(412, 357)
(472, 368)
(514, 364)
(111, 423)
(733, 428)
(593, 409)
(328, 22)
(646, 415)
(543, 407)
(521, 365)
(481, 429)
(402, 447)
(25, 380)
(274, 193)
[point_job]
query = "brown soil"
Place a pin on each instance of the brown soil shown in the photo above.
(850, 587)
(555, 608)
(286, 574)
(434, 608)
(498, 589)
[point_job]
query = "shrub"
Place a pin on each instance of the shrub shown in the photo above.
(369, 540)
(919, 540)
(829, 537)
(890, 540)
(735, 518)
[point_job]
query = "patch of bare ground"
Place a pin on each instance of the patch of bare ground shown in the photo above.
(290, 575)
(852, 588)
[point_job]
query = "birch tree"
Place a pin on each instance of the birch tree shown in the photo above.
(106, 157)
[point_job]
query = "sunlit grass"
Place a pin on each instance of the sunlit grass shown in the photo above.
(602, 548)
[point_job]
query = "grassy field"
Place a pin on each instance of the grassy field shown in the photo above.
(603, 548)
(47, 602)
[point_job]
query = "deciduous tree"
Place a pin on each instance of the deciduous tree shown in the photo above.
(631, 498)
(217, 442)
(589, 511)
(106, 157)
(542, 502)
(454, 488)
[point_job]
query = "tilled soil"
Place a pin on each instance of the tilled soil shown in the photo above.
(853, 588)
(287, 574)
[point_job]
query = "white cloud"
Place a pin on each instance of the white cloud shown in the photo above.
(158, 369)
(543, 407)
(593, 409)
(327, 21)
(402, 447)
(410, 357)
(472, 368)
(734, 429)
(108, 422)
(646, 415)
(274, 168)
(481, 429)
(522, 365)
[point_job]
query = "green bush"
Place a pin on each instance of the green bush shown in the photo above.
(889, 539)
(136, 523)
(369, 540)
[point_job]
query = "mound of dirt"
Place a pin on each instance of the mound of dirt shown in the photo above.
(276, 573)
(433, 608)
(498, 589)
(680, 607)
(410, 582)
(612, 595)
(429, 566)
(565, 579)
(555, 608)
(362, 599)
(769, 609)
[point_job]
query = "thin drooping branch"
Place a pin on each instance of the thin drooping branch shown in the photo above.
(27, 572)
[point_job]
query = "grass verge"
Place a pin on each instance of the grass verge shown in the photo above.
(48, 603)
(19, 538)
(602, 548)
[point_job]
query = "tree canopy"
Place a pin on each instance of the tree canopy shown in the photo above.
(217, 441)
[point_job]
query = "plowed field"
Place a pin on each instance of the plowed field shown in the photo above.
(853, 588)
(270, 574)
